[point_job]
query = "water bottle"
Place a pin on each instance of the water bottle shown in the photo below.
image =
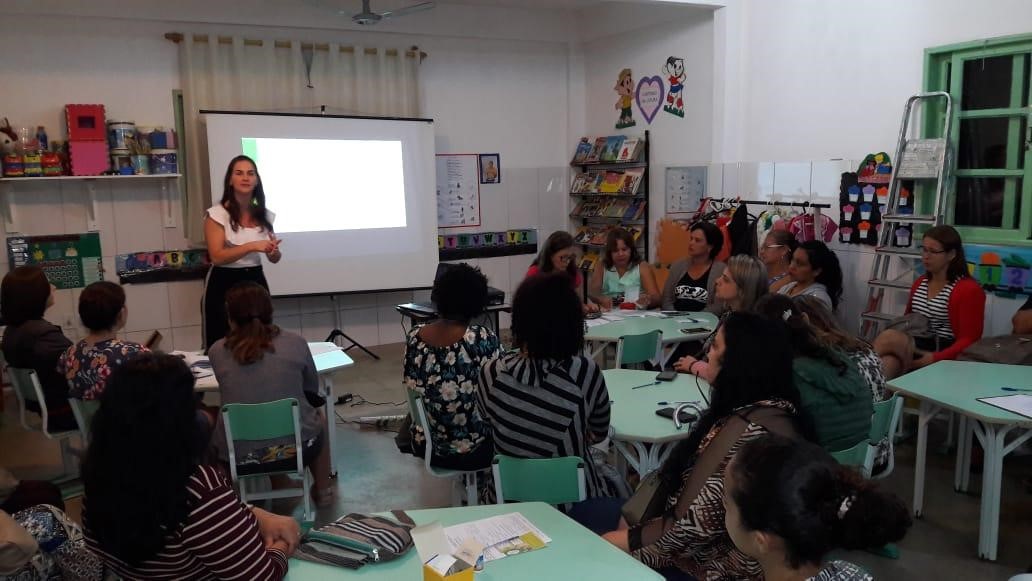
(41, 137)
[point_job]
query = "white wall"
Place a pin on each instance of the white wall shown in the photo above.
(489, 81)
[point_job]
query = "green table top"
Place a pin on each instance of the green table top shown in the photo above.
(955, 385)
(633, 416)
(670, 326)
(574, 553)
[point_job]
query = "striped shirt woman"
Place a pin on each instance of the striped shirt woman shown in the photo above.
(219, 540)
(544, 408)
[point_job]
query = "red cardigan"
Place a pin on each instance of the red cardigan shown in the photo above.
(966, 312)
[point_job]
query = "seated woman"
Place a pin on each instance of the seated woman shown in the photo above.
(828, 331)
(751, 394)
(951, 300)
(815, 272)
(789, 504)
(87, 364)
(31, 342)
(833, 392)
(257, 362)
(547, 400)
(776, 253)
(689, 285)
(165, 514)
(442, 364)
(559, 254)
(738, 288)
(623, 271)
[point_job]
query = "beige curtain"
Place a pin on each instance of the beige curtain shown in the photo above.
(244, 75)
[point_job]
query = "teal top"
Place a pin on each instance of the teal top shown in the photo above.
(614, 284)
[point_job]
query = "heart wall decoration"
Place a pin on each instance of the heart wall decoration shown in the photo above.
(649, 96)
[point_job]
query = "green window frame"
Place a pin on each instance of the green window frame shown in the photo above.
(944, 69)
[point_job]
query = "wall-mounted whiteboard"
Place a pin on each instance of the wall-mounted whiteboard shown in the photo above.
(458, 190)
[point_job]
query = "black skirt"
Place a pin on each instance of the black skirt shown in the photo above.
(213, 306)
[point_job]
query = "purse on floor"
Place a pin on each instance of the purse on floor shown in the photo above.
(357, 539)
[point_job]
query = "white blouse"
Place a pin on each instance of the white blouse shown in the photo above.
(241, 236)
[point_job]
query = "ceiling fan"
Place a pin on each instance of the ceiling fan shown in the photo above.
(367, 17)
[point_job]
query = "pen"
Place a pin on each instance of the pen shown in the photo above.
(646, 384)
(1015, 389)
(675, 402)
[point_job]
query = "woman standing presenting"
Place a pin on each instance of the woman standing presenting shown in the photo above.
(237, 231)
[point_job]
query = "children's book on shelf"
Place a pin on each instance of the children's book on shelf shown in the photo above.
(612, 147)
(578, 209)
(630, 180)
(582, 235)
(635, 210)
(595, 181)
(599, 235)
(580, 183)
(617, 208)
(588, 209)
(583, 150)
(634, 231)
(611, 182)
(588, 261)
(596, 150)
(630, 149)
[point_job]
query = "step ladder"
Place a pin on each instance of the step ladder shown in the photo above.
(916, 159)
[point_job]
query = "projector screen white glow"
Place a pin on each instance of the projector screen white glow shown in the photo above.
(354, 198)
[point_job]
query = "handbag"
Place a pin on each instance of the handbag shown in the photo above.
(1008, 349)
(356, 539)
(913, 324)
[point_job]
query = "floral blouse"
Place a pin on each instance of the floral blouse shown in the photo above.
(446, 378)
(87, 367)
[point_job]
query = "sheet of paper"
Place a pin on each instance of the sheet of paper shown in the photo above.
(492, 531)
(430, 540)
(596, 322)
(631, 294)
(1020, 404)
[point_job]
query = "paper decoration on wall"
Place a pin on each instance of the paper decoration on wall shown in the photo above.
(68, 260)
(649, 96)
(862, 199)
(1003, 269)
(490, 168)
(876, 168)
(625, 89)
(674, 71)
(685, 188)
(458, 191)
(162, 266)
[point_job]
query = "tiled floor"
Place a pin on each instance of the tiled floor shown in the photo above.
(375, 477)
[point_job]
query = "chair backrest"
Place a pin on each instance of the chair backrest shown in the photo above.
(262, 421)
(551, 480)
(859, 456)
(83, 411)
(26, 384)
(633, 349)
(418, 411)
(886, 414)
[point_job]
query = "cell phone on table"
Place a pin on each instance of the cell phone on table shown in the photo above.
(668, 375)
(684, 417)
(695, 330)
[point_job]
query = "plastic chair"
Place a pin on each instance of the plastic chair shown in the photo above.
(860, 456)
(83, 411)
(883, 425)
(26, 389)
(551, 480)
(464, 480)
(632, 349)
(265, 421)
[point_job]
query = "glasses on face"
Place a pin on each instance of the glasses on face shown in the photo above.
(769, 246)
(926, 250)
(566, 257)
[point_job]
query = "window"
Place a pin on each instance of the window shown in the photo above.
(991, 139)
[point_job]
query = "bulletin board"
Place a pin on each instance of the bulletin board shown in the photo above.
(685, 188)
(458, 190)
(69, 260)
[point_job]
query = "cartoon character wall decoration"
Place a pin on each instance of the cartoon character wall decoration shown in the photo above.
(674, 71)
(625, 89)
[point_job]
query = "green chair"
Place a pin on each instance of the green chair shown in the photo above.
(266, 421)
(465, 481)
(886, 418)
(634, 349)
(27, 388)
(860, 456)
(551, 480)
(83, 411)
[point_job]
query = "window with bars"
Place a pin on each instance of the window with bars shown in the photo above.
(991, 137)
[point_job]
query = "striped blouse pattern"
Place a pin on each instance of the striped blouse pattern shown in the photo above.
(540, 408)
(936, 309)
(219, 540)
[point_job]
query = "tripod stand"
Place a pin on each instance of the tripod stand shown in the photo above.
(337, 332)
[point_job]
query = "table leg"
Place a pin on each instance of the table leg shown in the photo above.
(960, 468)
(969, 436)
(658, 455)
(925, 415)
(634, 458)
(331, 425)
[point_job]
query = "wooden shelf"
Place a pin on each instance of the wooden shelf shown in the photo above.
(80, 178)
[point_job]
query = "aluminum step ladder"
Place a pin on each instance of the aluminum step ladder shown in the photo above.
(916, 159)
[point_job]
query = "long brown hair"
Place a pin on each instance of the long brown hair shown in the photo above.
(827, 329)
(612, 238)
(229, 200)
(950, 240)
(249, 308)
(556, 241)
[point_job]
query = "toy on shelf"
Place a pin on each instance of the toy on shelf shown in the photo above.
(87, 139)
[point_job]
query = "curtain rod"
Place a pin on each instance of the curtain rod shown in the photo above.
(178, 37)
(770, 203)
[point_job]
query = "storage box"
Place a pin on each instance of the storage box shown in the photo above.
(464, 573)
(86, 123)
(88, 158)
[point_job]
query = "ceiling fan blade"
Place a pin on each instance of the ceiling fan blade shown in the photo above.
(408, 10)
